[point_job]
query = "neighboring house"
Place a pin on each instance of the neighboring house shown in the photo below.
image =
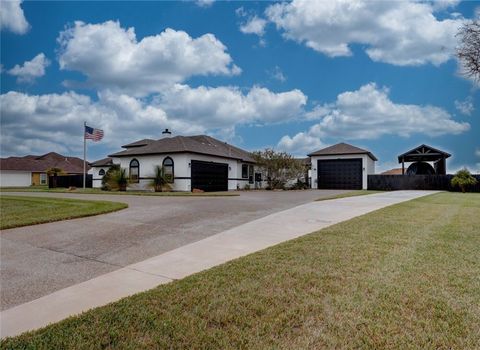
(341, 166)
(32, 170)
(98, 170)
(190, 162)
(395, 171)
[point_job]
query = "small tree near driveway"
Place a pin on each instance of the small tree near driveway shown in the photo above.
(279, 167)
(463, 179)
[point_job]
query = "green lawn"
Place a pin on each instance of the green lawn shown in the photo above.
(99, 191)
(22, 211)
(404, 277)
(349, 194)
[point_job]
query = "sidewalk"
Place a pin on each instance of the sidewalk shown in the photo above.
(194, 257)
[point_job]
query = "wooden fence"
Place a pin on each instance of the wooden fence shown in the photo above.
(69, 181)
(416, 182)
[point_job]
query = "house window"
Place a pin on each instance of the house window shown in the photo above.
(168, 169)
(134, 170)
(101, 172)
(43, 179)
(244, 171)
(250, 174)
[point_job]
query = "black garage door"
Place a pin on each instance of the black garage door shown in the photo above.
(209, 176)
(340, 174)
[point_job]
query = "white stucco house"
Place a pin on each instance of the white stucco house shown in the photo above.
(341, 166)
(191, 162)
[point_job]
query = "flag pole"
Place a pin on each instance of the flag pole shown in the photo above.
(84, 154)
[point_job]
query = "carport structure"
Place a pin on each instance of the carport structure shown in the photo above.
(425, 153)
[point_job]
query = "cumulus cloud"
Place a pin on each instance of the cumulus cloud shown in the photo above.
(277, 74)
(112, 58)
(223, 106)
(12, 17)
(30, 70)
(466, 106)
(396, 32)
(368, 113)
(42, 123)
(300, 144)
(204, 3)
(254, 25)
(477, 152)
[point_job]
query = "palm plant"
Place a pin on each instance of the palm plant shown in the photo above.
(160, 180)
(119, 179)
(463, 179)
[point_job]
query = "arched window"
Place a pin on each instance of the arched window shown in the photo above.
(101, 172)
(134, 170)
(168, 169)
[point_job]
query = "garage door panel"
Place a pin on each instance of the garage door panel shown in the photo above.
(209, 176)
(339, 173)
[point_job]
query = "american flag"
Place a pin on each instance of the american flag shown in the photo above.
(93, 134)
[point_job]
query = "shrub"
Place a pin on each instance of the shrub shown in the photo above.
(160, 180)
(463, 179)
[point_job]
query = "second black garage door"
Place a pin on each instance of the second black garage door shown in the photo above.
(209, 176)
(340, 174)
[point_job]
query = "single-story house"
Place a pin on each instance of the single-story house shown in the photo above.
(341, 166)
(190, 162)
(32, 170)
(98, 170)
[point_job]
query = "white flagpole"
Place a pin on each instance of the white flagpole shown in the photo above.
(84, 155)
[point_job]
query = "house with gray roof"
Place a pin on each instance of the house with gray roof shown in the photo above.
(341, 166)
(190, 162)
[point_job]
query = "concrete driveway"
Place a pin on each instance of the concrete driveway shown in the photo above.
(38, 260)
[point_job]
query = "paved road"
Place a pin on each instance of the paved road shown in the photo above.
(38, 260)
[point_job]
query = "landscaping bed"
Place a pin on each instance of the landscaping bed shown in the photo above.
(405, 276)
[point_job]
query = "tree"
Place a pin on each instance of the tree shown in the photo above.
(160, 180)
(54, 172)
(463, 179)
(115, 179)
(468, 52)
(279, 167)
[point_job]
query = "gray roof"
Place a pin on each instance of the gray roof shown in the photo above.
(139, 143)
(200, 144)
(341, 149)
(423, 153)
(102, 162)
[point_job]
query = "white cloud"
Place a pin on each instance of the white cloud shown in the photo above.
(221, 107)
(12, 17)
(465, 107)
(254, 25)
(30, 70)
(204, 3)
(301, 144)
(477, 152)
(42, 123)
(395, 32)
(277, 74)
(112, 58)
(368, 113)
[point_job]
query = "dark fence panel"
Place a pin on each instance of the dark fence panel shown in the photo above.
(416, 182)
(69, 181)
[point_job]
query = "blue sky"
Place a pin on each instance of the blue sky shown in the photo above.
(295, 76)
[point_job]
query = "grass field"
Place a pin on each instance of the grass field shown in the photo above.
(18, 211)
(404, 277)
(349, 194)
(99, 191)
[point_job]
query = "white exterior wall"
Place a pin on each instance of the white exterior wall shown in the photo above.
(368, 166)
(12, 178)
(182, 169)
(97, 179)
